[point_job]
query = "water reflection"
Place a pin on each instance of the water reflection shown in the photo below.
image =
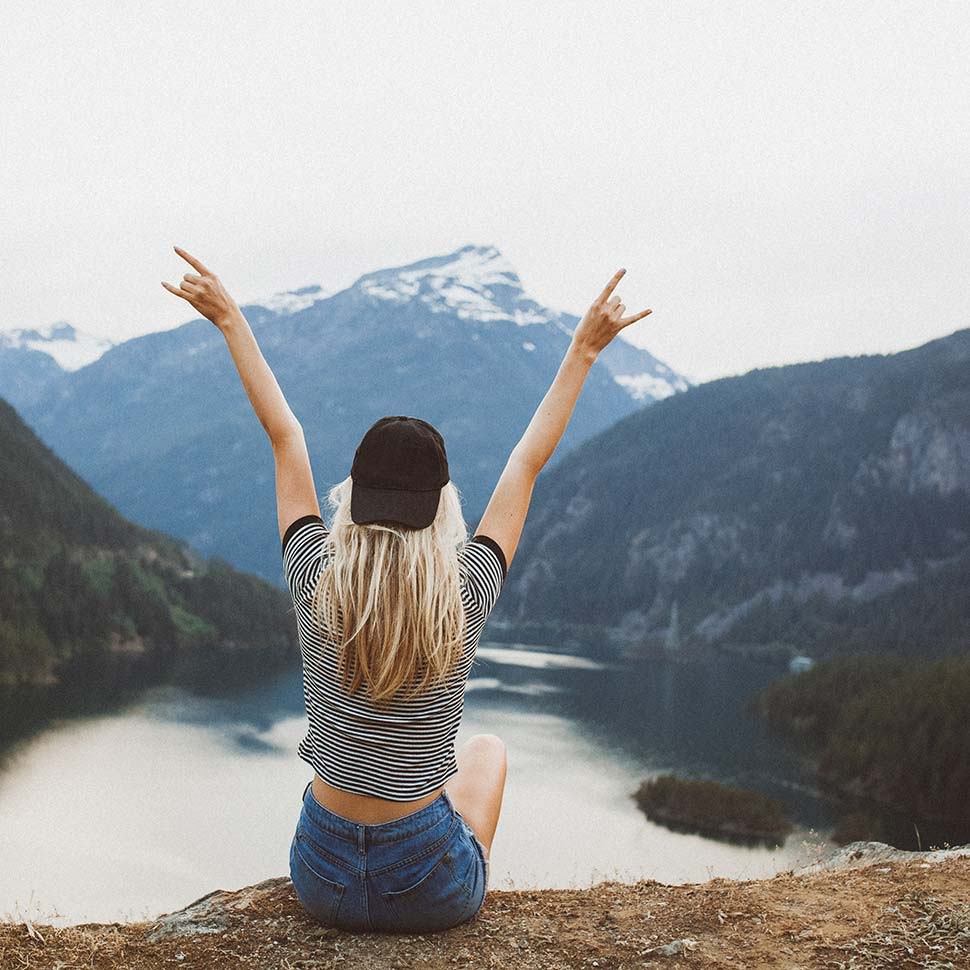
(141, 811)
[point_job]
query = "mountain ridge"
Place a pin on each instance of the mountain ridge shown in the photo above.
(790, 482)
(466, 293)
(160, 424)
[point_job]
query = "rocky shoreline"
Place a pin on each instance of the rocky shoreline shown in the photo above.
(866, 905)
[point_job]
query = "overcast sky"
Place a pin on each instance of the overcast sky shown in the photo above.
(782, 181)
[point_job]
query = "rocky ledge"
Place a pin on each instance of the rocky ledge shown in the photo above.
(867, 905)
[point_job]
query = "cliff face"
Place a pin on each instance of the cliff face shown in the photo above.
(868, 905)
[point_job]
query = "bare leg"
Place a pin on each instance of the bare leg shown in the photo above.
(477, 790)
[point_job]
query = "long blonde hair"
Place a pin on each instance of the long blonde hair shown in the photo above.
(391, 597)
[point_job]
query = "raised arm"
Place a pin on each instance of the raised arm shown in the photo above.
(295, 491)
(507, 509)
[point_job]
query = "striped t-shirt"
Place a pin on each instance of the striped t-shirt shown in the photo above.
(404, 749)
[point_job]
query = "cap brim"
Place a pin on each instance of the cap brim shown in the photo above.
(415, 509)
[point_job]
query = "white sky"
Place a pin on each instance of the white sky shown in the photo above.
(782, 181)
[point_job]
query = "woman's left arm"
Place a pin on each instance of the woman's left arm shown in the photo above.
(295, 492)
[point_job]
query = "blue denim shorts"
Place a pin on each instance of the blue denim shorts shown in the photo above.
(417, 874)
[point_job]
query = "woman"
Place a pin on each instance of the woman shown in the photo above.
(396, 827)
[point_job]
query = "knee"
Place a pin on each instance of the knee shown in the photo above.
(490, 744)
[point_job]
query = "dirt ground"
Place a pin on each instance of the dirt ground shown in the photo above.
(894, 915)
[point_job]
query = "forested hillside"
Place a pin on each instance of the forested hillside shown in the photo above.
(90, 602)
(823, 504)
(888, 731)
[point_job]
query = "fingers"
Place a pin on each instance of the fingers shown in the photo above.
(635, 317)
(187, 291)
(191, 284)
(615, 308)
(608, 289)
(174, 289)
(192, 261)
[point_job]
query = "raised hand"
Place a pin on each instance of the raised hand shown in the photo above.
(604, 319)
(204, 290)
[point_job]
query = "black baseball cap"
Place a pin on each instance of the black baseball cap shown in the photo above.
(399, 469)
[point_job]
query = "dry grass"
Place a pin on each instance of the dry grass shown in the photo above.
(919, 932)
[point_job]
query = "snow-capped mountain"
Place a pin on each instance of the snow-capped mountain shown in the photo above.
(33, 357)
(478, 283)
(162, 427)
(69, 347)
(474, 283)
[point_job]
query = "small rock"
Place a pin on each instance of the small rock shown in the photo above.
(858, 854)
(183, 925)
(209, 913)
(672, 948)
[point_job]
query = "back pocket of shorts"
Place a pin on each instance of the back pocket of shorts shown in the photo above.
(315, 884)
(440, 898)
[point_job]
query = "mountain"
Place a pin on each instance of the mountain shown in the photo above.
(32, 358)
(161, 425)
(90, 602)
(822, 505)
(477, 283)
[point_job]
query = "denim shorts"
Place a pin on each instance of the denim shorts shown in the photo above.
(417, 874)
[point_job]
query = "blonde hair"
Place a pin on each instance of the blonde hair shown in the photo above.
(391, 598)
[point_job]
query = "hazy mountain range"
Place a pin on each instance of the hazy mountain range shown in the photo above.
(822, 505)
(160, 424)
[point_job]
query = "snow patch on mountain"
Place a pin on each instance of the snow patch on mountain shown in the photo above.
(474, 283)
(70, 348)
(649, 386)
(292, 301)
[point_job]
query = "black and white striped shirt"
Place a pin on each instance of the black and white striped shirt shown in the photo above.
(406, 748)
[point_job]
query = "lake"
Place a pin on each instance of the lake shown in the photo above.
(126, 815)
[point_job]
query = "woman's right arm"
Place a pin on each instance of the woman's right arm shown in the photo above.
(507, 509)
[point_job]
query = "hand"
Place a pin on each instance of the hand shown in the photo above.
(604, 319)
(205, 291)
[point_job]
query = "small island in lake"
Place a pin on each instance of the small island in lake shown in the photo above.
(714, 809)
